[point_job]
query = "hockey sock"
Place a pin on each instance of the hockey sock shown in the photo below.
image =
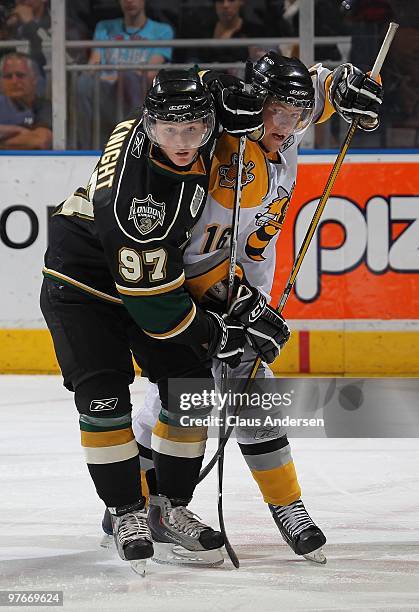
(177, 454)
(273, 469)
(112, 459)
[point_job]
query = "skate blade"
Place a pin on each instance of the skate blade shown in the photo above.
(138, 566)
(173, 554)
(107, 541)
(316, 556)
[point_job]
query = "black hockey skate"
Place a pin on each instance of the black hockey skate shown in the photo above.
(299, 531)
(132, 535)
(180, 538)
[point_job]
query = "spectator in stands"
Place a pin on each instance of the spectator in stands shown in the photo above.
(134, 25)
(226, 21)
(25, 119)
(30, 20)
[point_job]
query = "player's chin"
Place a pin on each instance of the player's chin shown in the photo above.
(182, 158)
(272, 142)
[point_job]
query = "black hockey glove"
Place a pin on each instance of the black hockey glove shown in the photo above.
(239, 112)
(354, 94)
(266, 330)
(228, 339)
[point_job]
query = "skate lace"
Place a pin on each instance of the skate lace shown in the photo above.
(294, 517)
(133, 526)
(183, 520)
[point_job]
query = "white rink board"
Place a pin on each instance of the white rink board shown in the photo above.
(35, 182)
(40, 181)
(364, 493)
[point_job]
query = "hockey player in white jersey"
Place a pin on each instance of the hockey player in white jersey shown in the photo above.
(296, 98)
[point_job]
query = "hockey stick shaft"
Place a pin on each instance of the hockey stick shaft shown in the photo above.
(224, 368)
(230, 288)
(311, 230)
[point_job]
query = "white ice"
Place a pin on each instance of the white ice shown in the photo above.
(363, 493)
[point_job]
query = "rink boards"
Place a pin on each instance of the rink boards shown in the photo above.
(355, 309)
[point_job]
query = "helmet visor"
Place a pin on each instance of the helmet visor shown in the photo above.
(287, 117)
(179, 135)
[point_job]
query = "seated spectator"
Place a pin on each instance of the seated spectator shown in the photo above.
(30, 20)
(134, 25)
(225, 22)
(25, 119)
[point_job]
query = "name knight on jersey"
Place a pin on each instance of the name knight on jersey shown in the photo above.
(109, 159)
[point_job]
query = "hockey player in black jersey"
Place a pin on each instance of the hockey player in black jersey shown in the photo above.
(114, 287)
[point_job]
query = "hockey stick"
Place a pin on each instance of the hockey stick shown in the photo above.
(224, 367)
(309, 235)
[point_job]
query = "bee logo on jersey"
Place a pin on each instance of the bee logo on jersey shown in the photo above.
(269, 225)
(147, 214)
(228, 173)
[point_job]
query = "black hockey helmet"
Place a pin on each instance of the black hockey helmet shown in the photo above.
(178, 96)
(285, 78)
(290, 91)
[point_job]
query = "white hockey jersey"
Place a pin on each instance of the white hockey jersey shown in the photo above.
(268, 181)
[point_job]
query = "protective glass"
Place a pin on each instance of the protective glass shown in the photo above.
(179, 135)
(289, 118)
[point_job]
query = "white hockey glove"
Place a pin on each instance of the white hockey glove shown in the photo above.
(266, 330)
(354, 94)
(228, 340)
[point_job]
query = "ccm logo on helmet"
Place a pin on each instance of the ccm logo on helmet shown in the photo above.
(299, 92)
(180, 107)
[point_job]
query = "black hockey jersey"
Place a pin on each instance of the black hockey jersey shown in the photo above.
(122, 238)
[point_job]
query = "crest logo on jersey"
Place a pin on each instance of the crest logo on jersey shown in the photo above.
(137, 146)
(197, 198)
(269, 225)
(147, 214)
(228, 173)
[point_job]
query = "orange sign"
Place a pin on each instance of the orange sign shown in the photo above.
(363, 262)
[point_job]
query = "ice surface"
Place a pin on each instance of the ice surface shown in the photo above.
(363, 493)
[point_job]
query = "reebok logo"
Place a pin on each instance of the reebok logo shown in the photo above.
(103, 404)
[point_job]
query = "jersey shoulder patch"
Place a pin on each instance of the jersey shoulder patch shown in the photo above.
(255, 178)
